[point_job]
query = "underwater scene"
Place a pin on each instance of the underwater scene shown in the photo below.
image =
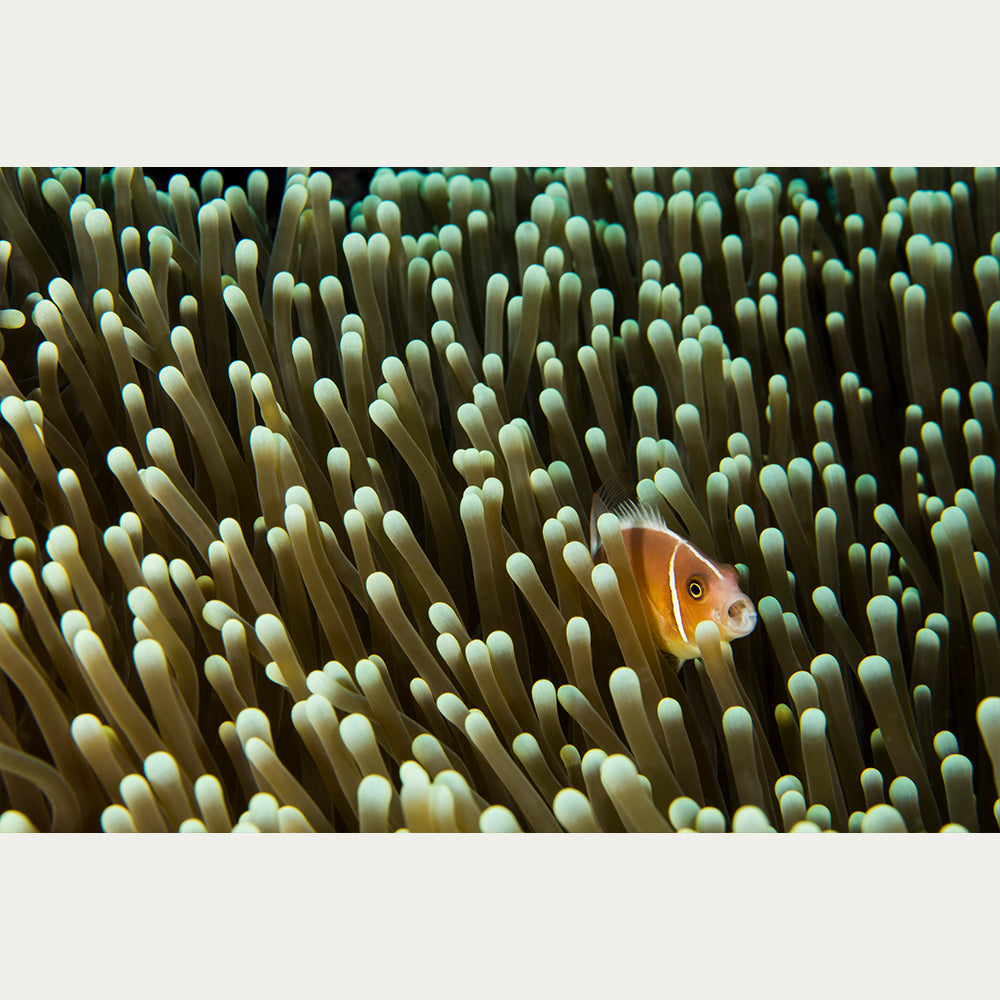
(503, 499)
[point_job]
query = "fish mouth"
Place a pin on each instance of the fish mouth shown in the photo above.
(740, 618)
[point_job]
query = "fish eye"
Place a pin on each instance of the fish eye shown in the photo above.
(695, 589)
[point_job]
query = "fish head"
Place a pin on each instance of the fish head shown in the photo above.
(710, 591)
(732, 610)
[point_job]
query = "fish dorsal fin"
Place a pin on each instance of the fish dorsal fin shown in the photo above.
(613, 492)
(610, 495)
(638, 514)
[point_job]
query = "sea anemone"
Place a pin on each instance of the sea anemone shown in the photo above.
(295, 509)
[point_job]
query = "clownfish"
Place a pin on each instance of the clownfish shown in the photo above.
(679, 586)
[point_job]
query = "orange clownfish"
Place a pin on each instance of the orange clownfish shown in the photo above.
(679, 585)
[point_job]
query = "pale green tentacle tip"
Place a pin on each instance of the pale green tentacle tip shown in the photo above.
(736, 720)
(793, 807)
(883, 819)
(882, 608)
(374, 798)
(988, 719)
(649, 204)
(786, 783)
(572, 809)
(710, 820)
(945, 744)
(956, 772)
(874, 670)
(12, 821)
(820, 815)
(953, 828)
(117, 819)
(751, 819)
(498, 819)
(683, 813)
(902, 787)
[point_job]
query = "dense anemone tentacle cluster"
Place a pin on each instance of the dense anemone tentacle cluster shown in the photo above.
(296, 517)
